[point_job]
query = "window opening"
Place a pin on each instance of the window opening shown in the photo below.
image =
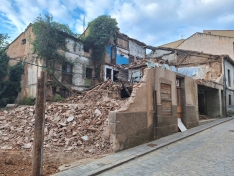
(23, 42)
(89, 73)
(115, 75)
(108, 73)
(229, 79)
(230, 100)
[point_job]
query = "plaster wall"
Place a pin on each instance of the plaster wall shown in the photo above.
(135, 75)
(173, 44)
(229, 88)
(190, 115)
(136, 50)
(141, 119)
(165, 124)
(228, 33)
(214, 103)
(207, 43)
(75, 47)
(133, 125)
(18, 50)
(29, 78)
(79, 80)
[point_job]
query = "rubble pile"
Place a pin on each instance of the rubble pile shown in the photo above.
(78, 122)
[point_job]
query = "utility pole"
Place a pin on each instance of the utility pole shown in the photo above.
(39, 126)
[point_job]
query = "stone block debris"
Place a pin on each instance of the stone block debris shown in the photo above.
(79, 122)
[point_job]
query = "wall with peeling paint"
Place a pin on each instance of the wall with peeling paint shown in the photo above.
(230, 88)
(207, 43)
(122, 56)
(136, 50)
(143, 117)
(75, 54)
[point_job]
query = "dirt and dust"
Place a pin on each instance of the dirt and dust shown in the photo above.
(75, 129)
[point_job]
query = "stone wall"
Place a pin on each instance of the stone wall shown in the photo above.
(130, 130)
(151, 111)
(133, 124)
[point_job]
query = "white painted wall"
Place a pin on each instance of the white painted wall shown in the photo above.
(121, 51)
(136, 50)
(135, 75)
(159, 53)
(79, 49)
(79, 80)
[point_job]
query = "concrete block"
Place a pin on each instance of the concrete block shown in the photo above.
(143, 125)
(113, 128)
(174, 110)
(174, 128)
(161, 121)
(130, 118)
(112, 117)
(162, 131)
(190, 110)
(171, 120)
(119, 129)
(159, 110)
(134, 126)
(121, 137)
(144, 131)
(120, 117)
(130, 132)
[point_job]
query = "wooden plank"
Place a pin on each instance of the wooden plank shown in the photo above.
(166, 99)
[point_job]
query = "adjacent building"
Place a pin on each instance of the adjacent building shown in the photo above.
(214, 75)
(75, 73)
(122, 52)
(209, 42)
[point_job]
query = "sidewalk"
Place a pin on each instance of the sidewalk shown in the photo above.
(119, 158)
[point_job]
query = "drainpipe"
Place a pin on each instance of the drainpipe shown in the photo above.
(224, 88)
(154, 104)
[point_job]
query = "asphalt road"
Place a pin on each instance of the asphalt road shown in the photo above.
(209, 153)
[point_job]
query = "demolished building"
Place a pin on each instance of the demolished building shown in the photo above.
(153, 108)
(213, 74)
(77, 76)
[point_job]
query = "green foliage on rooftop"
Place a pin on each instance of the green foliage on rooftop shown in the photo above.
(50, 36)
(101, 30)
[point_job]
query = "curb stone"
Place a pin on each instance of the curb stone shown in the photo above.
(116, 159)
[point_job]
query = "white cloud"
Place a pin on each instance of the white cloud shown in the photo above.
(152, 21)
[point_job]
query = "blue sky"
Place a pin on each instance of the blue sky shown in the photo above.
(154, 22)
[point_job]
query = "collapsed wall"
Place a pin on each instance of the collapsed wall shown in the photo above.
(132, 124)
(153, 108)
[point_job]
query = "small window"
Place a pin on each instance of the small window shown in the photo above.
(230, 100)
(89, 73)
(67, 68)
(67, 73)
(115, 75)
(229, 78)
(86, 48)
(108, 73)
(23, 42)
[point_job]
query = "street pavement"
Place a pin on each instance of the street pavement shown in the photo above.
(208, 153)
